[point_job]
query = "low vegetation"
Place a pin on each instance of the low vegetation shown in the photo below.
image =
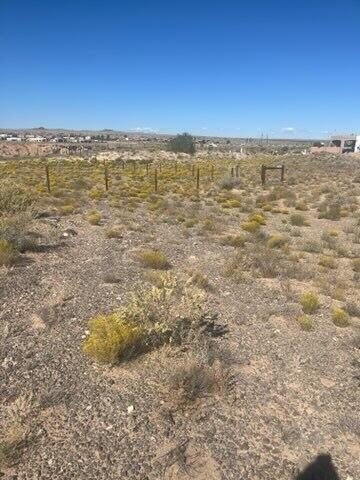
(153, 259)
(309, 302)
(184, 304)
(340, 317)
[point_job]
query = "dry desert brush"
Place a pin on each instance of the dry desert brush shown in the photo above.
(165, 313)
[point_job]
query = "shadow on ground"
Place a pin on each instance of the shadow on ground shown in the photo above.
(322, 468)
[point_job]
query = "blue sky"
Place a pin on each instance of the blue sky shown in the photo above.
(238, 68)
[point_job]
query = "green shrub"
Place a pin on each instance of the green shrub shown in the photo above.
(305, 323)
(339, 317)
(309, 302)
(111, 338)
(297, 219)
(154, 259)
(184, 143)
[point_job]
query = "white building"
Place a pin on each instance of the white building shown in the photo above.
(346, 143)
(36, 139)
(339, 144)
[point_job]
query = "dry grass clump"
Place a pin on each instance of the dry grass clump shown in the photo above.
(250, 226)
(8, 253)
(312, 246)
(356, 265)
(297, 220)
(332, 232)
(327, 261)
(301, 205)
(111, 337)
(15, 430)
(200, 281)
(257, 217)
(198, 377)
(228, 183)
(305, 323)
(14, 229)
(13, 199)
(330, 211)
(277, 241)
(67, 209)
(309, 302)
(253, 222)
(154, 259)
(192, 381)
(114, 233)
(339, 317)
(260, 261)
(233, 240)
(94, 218)
(11, 445)
(15, 217)
(352, 309)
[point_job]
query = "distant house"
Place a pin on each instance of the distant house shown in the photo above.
(13, 139)
(36, 139)
(339, 144)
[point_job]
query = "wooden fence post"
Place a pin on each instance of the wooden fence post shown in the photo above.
(147, 169)
(198, 178)
(47, 178)
(263, 174)
(193, 170)
(282, 172)
(106, 177)
(237, 171)
(232, 171)
(156, 180)
(212, 172)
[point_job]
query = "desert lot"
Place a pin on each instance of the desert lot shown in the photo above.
(172, 318)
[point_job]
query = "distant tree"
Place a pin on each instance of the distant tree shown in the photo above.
(184, 143)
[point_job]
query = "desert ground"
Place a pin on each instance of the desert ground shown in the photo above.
(170, 317)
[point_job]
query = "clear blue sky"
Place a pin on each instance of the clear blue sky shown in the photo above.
(240, 68)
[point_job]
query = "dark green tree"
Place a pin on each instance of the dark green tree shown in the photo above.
(184, 143)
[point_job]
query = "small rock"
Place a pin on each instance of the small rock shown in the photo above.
(69, 232)
(130, 409)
